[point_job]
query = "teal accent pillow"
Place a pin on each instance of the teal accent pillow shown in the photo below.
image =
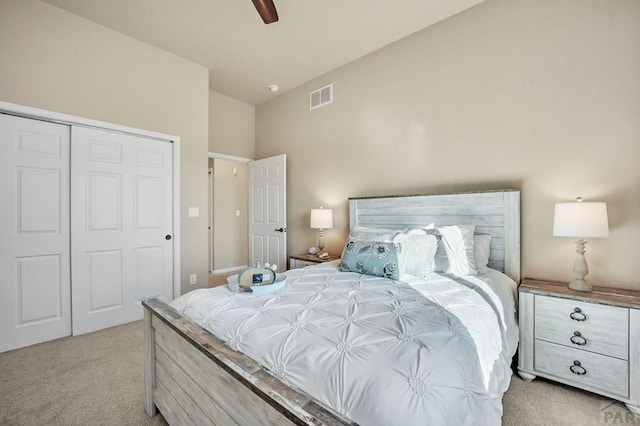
(371, 258)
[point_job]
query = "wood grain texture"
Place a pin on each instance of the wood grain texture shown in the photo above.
(218, 386)
(613, 367)
(603, 373)
(604, 331)
(149, 365)
(218, 379)
(171, 373)
(603, 295)
(525, 351)
(634, 359)
(496, 213)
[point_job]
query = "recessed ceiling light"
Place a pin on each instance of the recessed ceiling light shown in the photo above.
(274, 88)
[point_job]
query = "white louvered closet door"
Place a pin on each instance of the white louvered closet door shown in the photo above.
(34, 232)
(121, 232)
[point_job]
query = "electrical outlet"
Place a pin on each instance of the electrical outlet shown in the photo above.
(193, 279)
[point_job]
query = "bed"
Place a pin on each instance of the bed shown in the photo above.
(342, 347)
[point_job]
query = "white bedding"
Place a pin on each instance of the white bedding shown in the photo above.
(379, 352)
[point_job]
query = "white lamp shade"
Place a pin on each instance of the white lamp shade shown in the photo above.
(582, 220)
(321, 218)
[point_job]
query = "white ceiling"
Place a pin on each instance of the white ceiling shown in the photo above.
(244, 56)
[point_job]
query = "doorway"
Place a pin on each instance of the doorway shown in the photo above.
(228, 214)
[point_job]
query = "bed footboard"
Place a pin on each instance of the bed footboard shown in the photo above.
(192, 377)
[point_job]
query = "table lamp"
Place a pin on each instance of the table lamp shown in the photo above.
(321, 219)
(580, 220)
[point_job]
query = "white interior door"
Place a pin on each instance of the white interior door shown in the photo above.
(268, 211)
(34, 232)
(121, 206)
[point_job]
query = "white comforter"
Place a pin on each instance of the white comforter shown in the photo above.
(379, 352)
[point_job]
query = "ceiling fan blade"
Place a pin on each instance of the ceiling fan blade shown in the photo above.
(267, 10)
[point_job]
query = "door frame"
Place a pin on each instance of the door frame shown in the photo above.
(55, 117)
(212, 234)
(210, 220)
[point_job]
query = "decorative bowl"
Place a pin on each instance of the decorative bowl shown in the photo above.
(256, 290)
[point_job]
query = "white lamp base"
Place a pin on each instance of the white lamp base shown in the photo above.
(320, 241)
(580, 269)
(580, 286)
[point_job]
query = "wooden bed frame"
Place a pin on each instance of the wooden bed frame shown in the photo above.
(193, 377)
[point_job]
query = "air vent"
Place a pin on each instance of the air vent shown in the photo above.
(321, 97)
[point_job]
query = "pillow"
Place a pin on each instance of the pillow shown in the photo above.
(378, 258)
(481, 252)
(418, 251)
(373, 234)
(455, 250)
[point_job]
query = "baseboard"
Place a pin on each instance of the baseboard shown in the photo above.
(225, 270)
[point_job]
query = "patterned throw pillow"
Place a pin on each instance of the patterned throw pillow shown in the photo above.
(371, 258)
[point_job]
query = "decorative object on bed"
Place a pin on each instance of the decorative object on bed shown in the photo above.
(255, 276)
(321, 219)
(418, 247)
(373, 234)
(495, 213)
(580, 220)
(455, 250)
(423, 351)
(257, 289)
(376, 258)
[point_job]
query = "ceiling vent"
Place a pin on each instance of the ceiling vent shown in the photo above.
(321, 97)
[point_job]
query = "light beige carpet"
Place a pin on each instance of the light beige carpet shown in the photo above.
(97, 379)
(93, 379)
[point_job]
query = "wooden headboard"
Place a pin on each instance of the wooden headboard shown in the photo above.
(493, 212)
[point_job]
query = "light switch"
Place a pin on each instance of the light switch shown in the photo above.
(238, 213)
(194, 212)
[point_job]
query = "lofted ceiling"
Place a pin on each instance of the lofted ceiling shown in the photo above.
(244, 56)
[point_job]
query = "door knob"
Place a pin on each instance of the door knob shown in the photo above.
(280, 229)
(167, 237)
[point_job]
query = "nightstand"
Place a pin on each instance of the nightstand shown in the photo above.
(587, 340)
(304, 259)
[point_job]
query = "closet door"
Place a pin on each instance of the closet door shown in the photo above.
(121, 235)
(34, 232)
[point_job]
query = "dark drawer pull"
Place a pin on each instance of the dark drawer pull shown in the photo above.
(577, 315)
(577, 339)
(578, 369)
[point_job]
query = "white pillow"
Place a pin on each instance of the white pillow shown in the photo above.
(481, 252)
(455, 250)
(418, 251)
(373, 234)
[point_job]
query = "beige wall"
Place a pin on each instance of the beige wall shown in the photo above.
(231, 126)
(539, 95)
(231, 248)
(54, 60)
(231, 132)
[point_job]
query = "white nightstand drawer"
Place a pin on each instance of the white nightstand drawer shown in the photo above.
(609, 320)
(605, 327)
(603, 373)
(297, 263)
